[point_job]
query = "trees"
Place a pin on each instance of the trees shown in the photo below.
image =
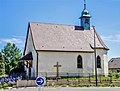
(11, 56)
(2, 65)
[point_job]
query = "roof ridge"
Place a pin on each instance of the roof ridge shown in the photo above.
(116, 58)
(53, 23)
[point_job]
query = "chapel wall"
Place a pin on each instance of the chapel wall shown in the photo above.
(30, 48)
(104, 61)
(68, 60)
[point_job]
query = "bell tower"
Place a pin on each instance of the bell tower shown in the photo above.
(85, 18)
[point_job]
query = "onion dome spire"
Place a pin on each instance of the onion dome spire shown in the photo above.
(85, 18)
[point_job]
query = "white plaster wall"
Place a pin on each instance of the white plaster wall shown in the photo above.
(30, 48)
(104, 61)
(68, 60)
(105, 65)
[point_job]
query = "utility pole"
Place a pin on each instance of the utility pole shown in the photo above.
(95, 57)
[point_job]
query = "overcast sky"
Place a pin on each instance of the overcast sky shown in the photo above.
(15, 15)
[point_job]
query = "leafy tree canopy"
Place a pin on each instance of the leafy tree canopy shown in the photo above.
(2, 65)
(11, 56)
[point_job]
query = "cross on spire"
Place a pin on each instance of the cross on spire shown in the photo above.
(84, 4)
(57, 66)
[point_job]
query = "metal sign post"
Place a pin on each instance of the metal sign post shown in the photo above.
(40, 88)
(40, 82)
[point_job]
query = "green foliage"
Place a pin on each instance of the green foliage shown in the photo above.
(11, 56)
(0, 86)
(4, 85)
(110, 71)
(4, 75)
(92, 85)
(115, 76)
(2, 65)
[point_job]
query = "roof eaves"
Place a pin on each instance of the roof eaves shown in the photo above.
(65, 51)
(32, 38)
(26, 38)
(100, 40)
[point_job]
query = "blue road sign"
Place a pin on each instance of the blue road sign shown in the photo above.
(40, 81)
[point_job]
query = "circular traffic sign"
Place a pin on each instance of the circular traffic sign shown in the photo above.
(40, 81)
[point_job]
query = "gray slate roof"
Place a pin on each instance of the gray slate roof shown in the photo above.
(114, 63)
(58, 37)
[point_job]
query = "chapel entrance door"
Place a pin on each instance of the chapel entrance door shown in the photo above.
(29, 68)
(28, 59)
(29, 72)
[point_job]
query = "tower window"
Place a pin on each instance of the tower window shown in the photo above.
(79, 62)
(86, 20)
(98, 62)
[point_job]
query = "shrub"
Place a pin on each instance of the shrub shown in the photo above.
(5, 85)
(117, 76)
(1, 86)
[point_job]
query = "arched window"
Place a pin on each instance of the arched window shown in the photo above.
(79, 62)
(98, 62)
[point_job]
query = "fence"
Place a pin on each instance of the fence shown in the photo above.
(52, 78)
(63, 74)
(77, 78)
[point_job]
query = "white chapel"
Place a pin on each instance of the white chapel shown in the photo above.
(52, 48)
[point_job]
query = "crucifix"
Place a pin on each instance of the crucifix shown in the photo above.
(57, 66)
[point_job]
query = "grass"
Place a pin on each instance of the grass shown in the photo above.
(92, 78)
(115, 77)
(86, 85)
(92, 85)
(90, 81)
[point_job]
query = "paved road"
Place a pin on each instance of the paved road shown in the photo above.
(67, 89)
